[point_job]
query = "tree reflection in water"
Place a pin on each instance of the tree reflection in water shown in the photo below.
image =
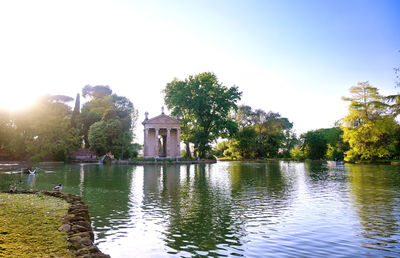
(376, 190)
(200, 220)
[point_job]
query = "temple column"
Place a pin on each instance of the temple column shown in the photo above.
(145, 145)
(156, 147)
(168, 148)
(178, 142)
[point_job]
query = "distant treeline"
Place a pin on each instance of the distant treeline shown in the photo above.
(369, 132)
(208, 110)
(50, 129)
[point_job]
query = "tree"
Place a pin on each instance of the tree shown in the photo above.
(93, 110)
(244, 144)
(103, 110)
(395, 98)
(315, 144)
(368, 128)
(325, 143)
(271, 128)
(110, 120)
(5, 130)
(297, 153)
(244, 116)
(205, 104)
(76, 112)
(273, 133)
(44, 131)
(220, 148)
(98, 91)
(289, 142)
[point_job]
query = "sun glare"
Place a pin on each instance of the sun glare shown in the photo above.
(13, 102)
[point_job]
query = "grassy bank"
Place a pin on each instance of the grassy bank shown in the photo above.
(29, 226)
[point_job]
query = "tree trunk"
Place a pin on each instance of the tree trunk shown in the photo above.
(188, 154)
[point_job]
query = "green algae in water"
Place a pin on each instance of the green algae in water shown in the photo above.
(29, 226)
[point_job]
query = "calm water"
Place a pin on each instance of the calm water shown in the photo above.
(234, 209)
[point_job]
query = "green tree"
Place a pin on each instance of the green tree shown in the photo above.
(394, 99)
(315, 144)
(6, 131)
(92, 112)
(94, 92)
(220, 148)
(43, 132)
(205, 104)
(289, 142)
(271, 129)
(244, 116)
(113, 133)
(76, 112)
(368, 128)
(297, 154)
(243, 145)
(274, 136)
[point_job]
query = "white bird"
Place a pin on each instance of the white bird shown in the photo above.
(32, 172)
(58, 187)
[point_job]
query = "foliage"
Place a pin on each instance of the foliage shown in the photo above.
(260, 135)
(297, 154)
(395, 99)
(113, 133)
(368, 128)
(325, 143)
(315, 145)
(243, 146)
(76, 112)
(107, 122)
(289, 142)
(50, 130)
(43, 131)
(29, 226)
(205, 105)
(244, 116)
(5, 130)
(95, 92)
(271, 128)
(220, 148)
(333, 153)
(395, 106)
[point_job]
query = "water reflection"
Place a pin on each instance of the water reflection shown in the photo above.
(261, 191)
(234, 209)
(375, 189)
(107, 192)
(200, 217)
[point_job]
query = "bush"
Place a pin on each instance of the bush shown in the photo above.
(135, 154)
(297, 154)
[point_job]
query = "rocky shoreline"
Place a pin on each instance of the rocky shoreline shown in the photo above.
(76, 224)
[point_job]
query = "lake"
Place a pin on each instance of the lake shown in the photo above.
(234, 209)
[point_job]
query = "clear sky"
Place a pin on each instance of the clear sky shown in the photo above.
(293, 57)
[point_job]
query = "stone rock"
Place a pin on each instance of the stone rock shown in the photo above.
(65, 228)
(75, 242)
(86, 241)
(84, 223)
(69, 217)
(81, 252)
(83, 234)
(74, 239)
(78, 228)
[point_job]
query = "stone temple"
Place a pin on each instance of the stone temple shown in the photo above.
(161, 137)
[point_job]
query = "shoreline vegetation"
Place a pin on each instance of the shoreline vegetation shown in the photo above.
(29, 226)
(45, 224)
(105, 124)
(377, 162)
